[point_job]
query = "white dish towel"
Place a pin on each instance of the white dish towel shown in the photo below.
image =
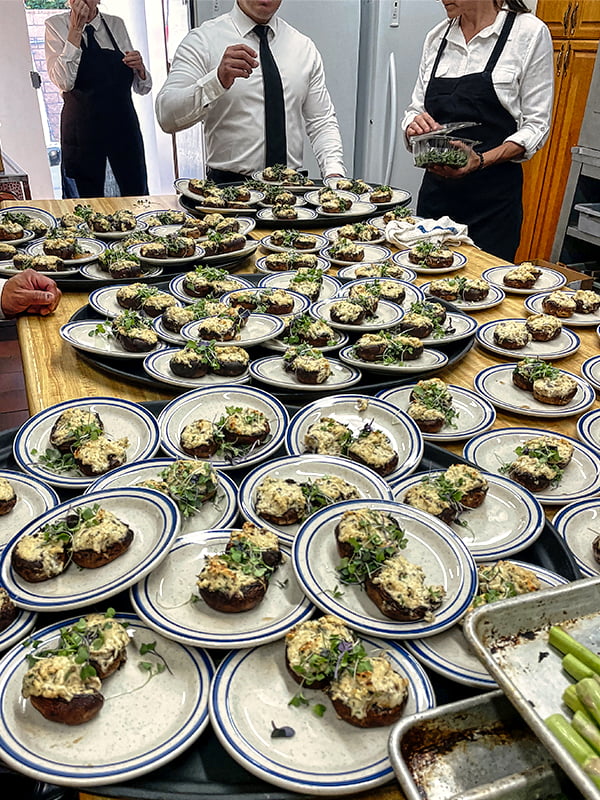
(443, 230)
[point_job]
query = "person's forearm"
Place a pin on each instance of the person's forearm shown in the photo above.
(507, 151)
(75, 33)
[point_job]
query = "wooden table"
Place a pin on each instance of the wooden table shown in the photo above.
(54, 372)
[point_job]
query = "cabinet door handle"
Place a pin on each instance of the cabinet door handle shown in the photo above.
(559, 59)
(566, 16)
(566, 61)
(574, 15)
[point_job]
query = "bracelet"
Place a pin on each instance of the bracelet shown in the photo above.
(481, 161)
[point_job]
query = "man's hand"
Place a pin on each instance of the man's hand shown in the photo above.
(237, 61)
(29, 293)
(422, 123)
(133, 59)
(80, 14)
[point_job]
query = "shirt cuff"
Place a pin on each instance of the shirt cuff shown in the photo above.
(524, 140)
(70, 52)
(210, 86)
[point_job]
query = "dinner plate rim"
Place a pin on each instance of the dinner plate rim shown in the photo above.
(459, 261)
(48, 494)
(573, 341)
(258, 364)
(584, 424)
(412, 275)
(392, 369)
(365, 327)
(179, 186)
(66, 330)
(561, 520)
(559, 279)
(474, 305)
(384, 255)
(576, 320)
(304, 213)
(275, 320)
(175, 287)
(189, 383)
(265, 242)
(586, 370)
(44, 215)
(75, 263)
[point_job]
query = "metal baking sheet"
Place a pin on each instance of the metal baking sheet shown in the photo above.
(511, 640)
(478, 749)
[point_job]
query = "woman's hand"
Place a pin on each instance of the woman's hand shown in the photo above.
(474, 163)
(133, 59)
(80, 15)
(422, 123)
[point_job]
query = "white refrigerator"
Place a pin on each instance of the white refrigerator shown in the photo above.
(371, 50)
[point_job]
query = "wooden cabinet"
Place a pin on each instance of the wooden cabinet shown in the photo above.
(546, 174)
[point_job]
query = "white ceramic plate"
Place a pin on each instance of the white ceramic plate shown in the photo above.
(333, 235)
(399, 197)
(298, 201)
(35, 213)
(170, 337)
(163, 599)
(220, 512)
(104, 301)
(7, 269)
(236, 255)
(321, 242)
(533, 304)
(386, 316)
(456, 327)
(590, 369)
(118, 744)
(211, 403)
(449, 654)
(578, 524)
(146, 216)
(246, 224)
(261, 265)
(155, 521)
(270, 370)
(356, 411)
(339, 337)
(303, 469)
(402, 258)
(281, 280)
(494, 298)
(27, 237)
(157, 366)
(412, 294)
(301, 302)
(431, 359)
(508, 520)
(313, 198)
(95, 273)
(302, 213)
(33, 498)
(581, 478)
(326, 756)
(167, 262)
(176, 287)
(349, 273)
(18, 629)
(82, 336)
(548, 281)
(380, 223)
(258, 328)
(181, 186)
(291, 187)
(120, 417)
(443, 556)
(359, 208)
(495, 384)
(588, 428)
(474, 413)
(565, 343)
(92, 246)
(372, 254)
(116, 236)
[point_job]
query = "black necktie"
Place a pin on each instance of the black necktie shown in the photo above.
(91, 37)
(276, 149)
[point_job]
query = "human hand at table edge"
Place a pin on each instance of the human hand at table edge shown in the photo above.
(29, 293)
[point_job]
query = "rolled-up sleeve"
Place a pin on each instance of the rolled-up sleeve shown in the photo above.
(62, 59)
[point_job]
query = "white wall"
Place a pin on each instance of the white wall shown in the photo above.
(21, 131)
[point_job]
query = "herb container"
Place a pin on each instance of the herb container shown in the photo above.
(445, 151)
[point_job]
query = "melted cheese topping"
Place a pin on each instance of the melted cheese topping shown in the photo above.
(336, 489)
(365, 526)
(586, 301)
(564, 448)
(261, 538)
(7, 493)
(177, 316)
(35, 548)
(346, 312)
(503, 579)
(524, 273)
(405, 583)
(465, 478)
(426, 497)
(57, 677)
(232, 355)
(217, 575)
(276, 497)
(374, 448)
(314, 636)
(100, 532)
(526, 465)
(318, 366)
(247, 422)
(6, 604)
(102, 454)
(197, 434)
(559, 387)
(560, 300)
(216, 327)
(514, 332)
(326, 436)
(380, 688)
(111, 639)
(544, 324)
(68, 421)
(159, 302)
(420, 412)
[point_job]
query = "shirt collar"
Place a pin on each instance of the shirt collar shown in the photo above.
(96, 22)
(455, 34)
(245, 25)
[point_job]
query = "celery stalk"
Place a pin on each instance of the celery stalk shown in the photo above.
(564, 642)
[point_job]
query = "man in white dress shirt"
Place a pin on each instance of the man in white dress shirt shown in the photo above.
(216, 78)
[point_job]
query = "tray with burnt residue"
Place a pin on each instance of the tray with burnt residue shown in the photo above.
(511, 639)
(475, 749)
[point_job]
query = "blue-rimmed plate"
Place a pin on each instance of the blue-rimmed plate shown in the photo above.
(400, 197)
(508, 520)
(333, 234)
(27, 237)
(449, 654)
(359, 208)
(258, 328)
(176, 287)
(104, 301)
(157, 365)
(18, 628)
(578, 524)
(533, 304)
(339, 338)
(305, 469)
(155, 521)
(302, 213)
(301, 302)
(94, 272)
(430, 359)
(171, 337)
(151, 218)
(455, 327)
(564, 345)
(590, 369)
(357, 411)
(431, 544)
(495, 448)
(245, 225)
(163, 599)
(198, 255)
(116, 236)
(412, 294)
(494, 297)
(474, 414)
(219, 512)
(371, 255)
(313, 198)
(320, 242)
(326, 756)
(386, 316)
(84, 336)
(35, 213)
(548, 281)
(281, 280)
(91, 246)
(402, 258)
(270, 370)
(118, 743)
(181, 186)
(212, 403)
(261, 264)
(495, 384)
(121, 418)
(349, 273)
(588, 428)
(33, 498)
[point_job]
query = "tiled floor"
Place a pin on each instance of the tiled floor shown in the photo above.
(13, 400)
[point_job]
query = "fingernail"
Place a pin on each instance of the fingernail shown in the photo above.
(48, 297)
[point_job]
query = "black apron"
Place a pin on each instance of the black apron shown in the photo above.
(99, 122)
(489, 201)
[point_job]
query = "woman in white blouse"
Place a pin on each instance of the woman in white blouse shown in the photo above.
(90, 58)
(491, 64)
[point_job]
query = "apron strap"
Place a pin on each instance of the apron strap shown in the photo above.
(440, 51)
(502, 39)
(110, 36)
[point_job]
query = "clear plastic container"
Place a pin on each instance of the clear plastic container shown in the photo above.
(447, 151)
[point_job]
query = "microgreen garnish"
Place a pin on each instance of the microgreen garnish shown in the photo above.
(318, 709)
(436, 396)
(298, 700)
(340, 656)
(190, 484)
(382, 539)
